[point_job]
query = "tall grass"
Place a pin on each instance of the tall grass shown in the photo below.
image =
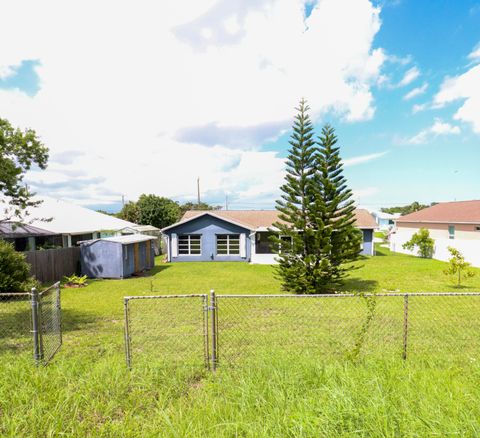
(88, 391)
(279, 397)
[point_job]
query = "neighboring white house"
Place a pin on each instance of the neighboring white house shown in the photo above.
(71, 223)
(455, 224)
(385, 221)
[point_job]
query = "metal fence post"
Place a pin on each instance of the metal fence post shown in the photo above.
(206, 337)
(36, 327)
(59, 311)
(213, 308)
(405, 326)
(127, 335)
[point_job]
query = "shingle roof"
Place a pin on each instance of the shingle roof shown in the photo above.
(14, 230)
(446, 212)
(255, 219)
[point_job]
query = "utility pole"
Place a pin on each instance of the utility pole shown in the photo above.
(226, 201)
(123, 200)
(198, 191)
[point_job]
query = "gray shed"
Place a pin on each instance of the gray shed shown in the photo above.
(117, 257)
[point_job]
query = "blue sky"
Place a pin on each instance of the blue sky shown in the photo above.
(435, 37)
(208, 90)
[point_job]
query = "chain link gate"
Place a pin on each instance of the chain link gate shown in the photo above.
(31, 320)
(168, 328)
(46, 323)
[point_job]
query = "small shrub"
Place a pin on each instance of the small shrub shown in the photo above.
(75, 281)
(458, 268)
(423, 241)
(14, 270)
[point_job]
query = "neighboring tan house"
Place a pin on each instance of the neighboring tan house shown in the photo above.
(455, 224)
(241, 235)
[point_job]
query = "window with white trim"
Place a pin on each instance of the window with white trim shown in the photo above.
(451, 231)
(228, 244)
(189, 244)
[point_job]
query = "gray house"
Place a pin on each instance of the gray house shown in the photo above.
(241, 235)
(117, 257)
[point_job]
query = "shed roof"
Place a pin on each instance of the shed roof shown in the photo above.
(263, 219)
(124, 240)
(462, 212)
(142, 228)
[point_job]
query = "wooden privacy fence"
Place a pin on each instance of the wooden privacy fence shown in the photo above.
(53, 264)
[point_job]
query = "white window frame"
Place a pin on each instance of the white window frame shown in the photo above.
(239, 253)
(189, 245)
(451, 236)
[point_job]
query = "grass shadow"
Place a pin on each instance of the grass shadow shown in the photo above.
(16, 322)
(157, 269)
(356, 284)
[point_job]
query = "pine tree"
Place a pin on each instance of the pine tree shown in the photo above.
(316, 212)
(333, 215)
(293, 238)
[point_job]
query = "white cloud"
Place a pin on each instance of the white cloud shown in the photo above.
(465, 87)
(367, 192)
(474, 55)
(416, 92)
(6, 71)
(363, 159)
(120, 81)
(419, 107)
(410, 75)
(437, 129)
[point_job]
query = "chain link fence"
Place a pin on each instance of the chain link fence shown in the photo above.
(15, 324)
(30, 321)
(235, 329)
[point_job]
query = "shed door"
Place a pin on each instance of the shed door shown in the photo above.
(149, 252)
(136, 258)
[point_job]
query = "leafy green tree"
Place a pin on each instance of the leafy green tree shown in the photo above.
(19, 151)
(423, 241)
(157, 211)
(196, 206)
(458, 268)
(130, 212)
(14, 270)
(317, 214)
(407, 209)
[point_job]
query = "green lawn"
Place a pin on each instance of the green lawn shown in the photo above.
(87, 390)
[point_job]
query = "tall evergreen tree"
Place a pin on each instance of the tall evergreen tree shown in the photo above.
(333, 214)
(293, 241)
(316, 212)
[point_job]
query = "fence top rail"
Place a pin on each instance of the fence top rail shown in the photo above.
(148, 297)
(48, 289)
(396, 294)
(14, 294)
